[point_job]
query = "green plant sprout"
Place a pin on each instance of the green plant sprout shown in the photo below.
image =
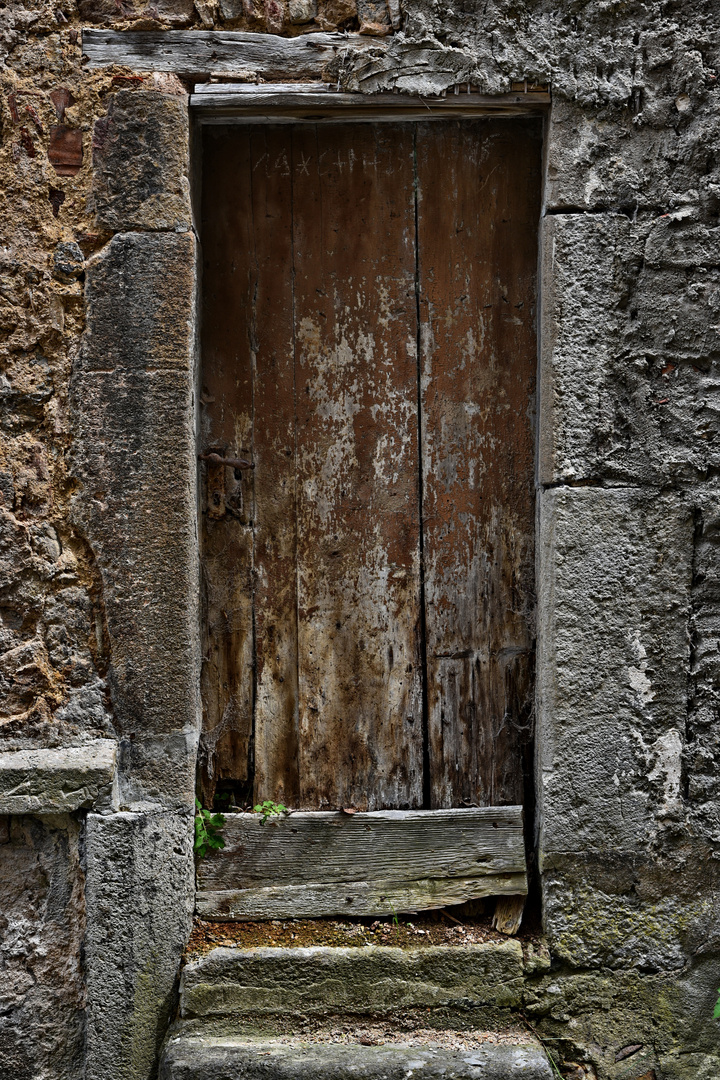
(396, 921)
(716, 1010)
(207, 831)
(269, 809)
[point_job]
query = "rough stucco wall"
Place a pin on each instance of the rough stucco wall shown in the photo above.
(631, 260)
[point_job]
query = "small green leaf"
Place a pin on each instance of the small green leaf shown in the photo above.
(269, 809)
(207, 831)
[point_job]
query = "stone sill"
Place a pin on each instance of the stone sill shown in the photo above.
(59, 781)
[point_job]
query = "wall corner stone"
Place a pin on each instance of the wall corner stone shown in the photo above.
(139, 897)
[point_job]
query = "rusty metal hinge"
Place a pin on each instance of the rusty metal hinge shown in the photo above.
(232, 462)
(215, 480)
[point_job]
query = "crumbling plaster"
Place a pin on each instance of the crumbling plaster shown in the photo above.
(97, 506)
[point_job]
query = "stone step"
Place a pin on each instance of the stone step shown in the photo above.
(207, 1058)
(372, 978)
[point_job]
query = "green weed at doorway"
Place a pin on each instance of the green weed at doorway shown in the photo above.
(269, 809)
(207, 831)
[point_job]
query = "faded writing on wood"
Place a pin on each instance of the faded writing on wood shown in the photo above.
(382, 477)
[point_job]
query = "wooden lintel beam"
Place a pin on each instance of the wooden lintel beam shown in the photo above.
(223, 103)
(281, 61)
(200, 52)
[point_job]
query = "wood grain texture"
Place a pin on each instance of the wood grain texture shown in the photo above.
(274, 453)
(356, 898)
(219, 103)
(364, 864)
(508, 914)
(226, 424)
(478, 193)
(198, 52)
(358, 533)
(313, 681)
(309, 355)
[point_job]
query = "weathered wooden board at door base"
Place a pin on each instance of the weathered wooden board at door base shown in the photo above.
(317, 864)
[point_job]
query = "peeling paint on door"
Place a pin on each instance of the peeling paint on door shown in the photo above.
(369, 342)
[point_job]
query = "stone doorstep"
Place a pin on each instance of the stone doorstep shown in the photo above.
(203, 1058)
(231, 982)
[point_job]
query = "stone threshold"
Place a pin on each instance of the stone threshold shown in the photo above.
(234, 982)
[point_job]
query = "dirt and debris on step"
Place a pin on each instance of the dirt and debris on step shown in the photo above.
(405, 931)
(381, 1033)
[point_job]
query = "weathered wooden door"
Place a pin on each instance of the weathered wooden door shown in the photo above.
(368, 343)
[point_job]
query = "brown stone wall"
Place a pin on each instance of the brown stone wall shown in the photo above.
(59, 622)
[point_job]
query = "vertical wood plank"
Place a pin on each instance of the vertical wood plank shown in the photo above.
(226, 424)
(478, 191)
(358, 531)
(274, 449)
(250, 677)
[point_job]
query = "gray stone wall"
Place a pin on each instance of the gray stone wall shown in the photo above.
(42, 926)
(98, 586)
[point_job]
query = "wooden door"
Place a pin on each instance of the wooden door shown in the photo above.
(368, 342)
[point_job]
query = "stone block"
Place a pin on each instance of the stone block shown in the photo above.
(141, 161)
(630, 350)
(603, 161)
(702, 757)
(173, 13)
(362, 979)
(681, 244)
(60, 780)
(617, 160)
(134, 455)
(622, 1008)
(139, 895)
(42, 924)
(233, 1059)
(580, 322)
(629, 910)
(613, 658)
(689, 1066)
(140, 296)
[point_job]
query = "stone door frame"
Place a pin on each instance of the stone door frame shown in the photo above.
(134, 405)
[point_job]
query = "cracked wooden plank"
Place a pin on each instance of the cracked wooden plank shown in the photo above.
(272, 331)
(362, 864)
(358, 533)
(226, 425)
(199, 52)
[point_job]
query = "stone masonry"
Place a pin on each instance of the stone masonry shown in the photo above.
(99, 619)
